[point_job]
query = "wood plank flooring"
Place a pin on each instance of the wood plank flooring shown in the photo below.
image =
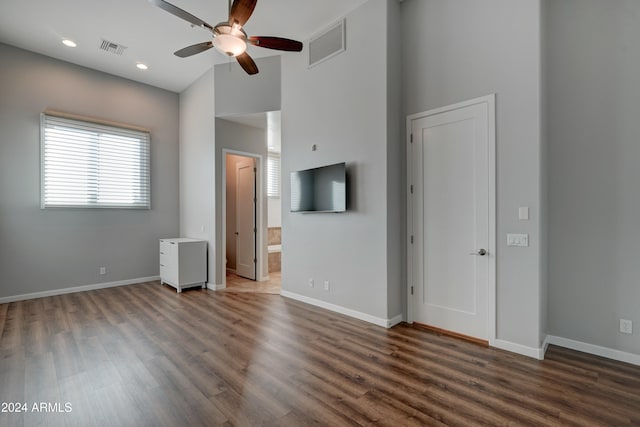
(144, 355)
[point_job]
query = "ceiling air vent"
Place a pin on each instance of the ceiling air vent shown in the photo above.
(327, 44)
(112, 47)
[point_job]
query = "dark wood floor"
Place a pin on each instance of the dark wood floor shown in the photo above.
(145, 356)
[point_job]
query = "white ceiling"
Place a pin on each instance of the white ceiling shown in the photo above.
(151, 34)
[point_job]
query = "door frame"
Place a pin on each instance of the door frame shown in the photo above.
(490, 100)
(260, 184)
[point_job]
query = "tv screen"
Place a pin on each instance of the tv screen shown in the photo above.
(322, 189)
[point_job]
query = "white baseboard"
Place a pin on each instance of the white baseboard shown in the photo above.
(385, 323)
(394, 321)
(74, 289)
(214, 287)
(536, 353)
(596, 350)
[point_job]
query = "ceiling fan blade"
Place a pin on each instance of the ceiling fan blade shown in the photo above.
(174, 10)
(193, 49)
(277, 43)
(247, 63)
(241, 11)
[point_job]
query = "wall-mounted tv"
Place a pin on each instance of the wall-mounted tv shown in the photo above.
(322, 189)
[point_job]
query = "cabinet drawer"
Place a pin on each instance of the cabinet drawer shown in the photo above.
(164, 246)
(166, 260)
(168, 274)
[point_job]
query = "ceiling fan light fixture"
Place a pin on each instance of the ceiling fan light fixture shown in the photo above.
(230, 45)
(230, 40)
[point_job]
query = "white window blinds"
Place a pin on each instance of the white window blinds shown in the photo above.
(91, 165)
(273, 174)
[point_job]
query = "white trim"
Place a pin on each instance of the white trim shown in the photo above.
(492, 296)
(545, 345)
(215, 287)
(609, 353)
(343, 48)
(394, 321)
(490, 100)
(536, 353)
(385, 323)
(410, 302)
(75, 289)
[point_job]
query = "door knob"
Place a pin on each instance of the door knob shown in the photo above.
(479, 252)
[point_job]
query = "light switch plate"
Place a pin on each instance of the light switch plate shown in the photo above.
(523, 213)
(519, 240)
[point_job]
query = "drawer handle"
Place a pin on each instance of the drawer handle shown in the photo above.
(173, 243)
(161, 253)
(162, 265)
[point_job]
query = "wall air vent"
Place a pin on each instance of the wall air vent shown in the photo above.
(327, 44)
(112, 47)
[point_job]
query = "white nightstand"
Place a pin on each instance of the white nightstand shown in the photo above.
(183, 263)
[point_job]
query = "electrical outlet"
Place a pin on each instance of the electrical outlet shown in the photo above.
(626, 326)
(311, 283)
(103, 271)
(326, 285)
(521, 240)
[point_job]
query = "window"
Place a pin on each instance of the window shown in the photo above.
(92, 165)
(273, 174)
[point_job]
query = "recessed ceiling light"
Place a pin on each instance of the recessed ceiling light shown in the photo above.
(69, 43)
(141, 66)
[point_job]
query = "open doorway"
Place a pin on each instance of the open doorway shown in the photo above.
(252, 252)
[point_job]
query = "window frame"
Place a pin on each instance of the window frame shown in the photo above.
(274, 154)
(98, 126)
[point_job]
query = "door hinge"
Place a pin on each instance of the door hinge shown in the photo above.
(411, 138)
(255, 230)
(412, 290)
(255, 170)
(412, 240)
(411, 188)
(255, 260)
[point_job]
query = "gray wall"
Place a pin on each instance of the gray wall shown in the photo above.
(239, 93)
(341, 106)
(44, 250)
(456, 50)
(544, 176)
(593, 110)
(396, 176)
(197, 137)
(224, 90)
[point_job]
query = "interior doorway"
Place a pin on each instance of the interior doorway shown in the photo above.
(264, 208)
(452, 226)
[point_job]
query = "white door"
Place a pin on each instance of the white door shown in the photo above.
(451, 218)
(246, 219)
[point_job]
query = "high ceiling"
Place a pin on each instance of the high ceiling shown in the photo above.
(150, 34)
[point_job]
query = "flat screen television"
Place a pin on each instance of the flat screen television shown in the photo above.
(322, 189)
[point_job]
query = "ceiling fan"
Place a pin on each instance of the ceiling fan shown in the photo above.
(229, 37)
